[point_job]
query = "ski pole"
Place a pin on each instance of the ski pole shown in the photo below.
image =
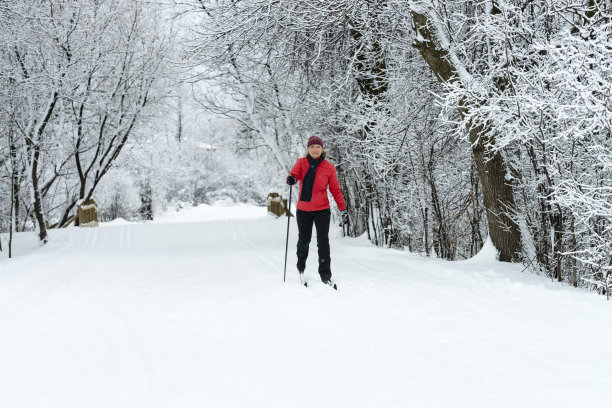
(287, 241)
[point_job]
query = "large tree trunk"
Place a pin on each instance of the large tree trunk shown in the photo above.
(497, 193)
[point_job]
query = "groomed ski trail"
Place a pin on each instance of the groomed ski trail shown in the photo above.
(192, 311)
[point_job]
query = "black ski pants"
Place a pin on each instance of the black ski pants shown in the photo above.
(321, 219)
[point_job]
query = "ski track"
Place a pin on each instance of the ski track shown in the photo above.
(192, 314)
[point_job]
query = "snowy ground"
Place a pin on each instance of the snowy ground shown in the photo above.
(191, 311)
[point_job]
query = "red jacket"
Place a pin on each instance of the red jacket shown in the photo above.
(325, 176)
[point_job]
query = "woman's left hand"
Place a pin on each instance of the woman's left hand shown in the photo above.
(344, 217)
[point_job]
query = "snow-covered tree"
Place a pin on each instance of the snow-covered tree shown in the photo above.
(77, 78)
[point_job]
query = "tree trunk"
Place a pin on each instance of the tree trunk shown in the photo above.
(34, 147)
(38, 206)
(16, 174)
(14, 212)
(179, 130)
(477, 242)
(11, 221)
(146, 201)
(426, 230)
(498, 195)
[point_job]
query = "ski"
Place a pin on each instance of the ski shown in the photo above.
(304, 282)
(333, 285)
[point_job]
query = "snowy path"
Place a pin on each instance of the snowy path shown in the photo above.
(195, 314)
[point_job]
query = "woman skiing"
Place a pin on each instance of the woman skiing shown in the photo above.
(315, 174)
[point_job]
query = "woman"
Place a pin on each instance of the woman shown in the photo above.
(315, 174)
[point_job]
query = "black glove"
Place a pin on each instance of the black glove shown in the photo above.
(291, 180)
(344, 218)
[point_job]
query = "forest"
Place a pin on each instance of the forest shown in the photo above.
(449, 122)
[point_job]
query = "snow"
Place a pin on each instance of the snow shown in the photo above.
(192, 311)
(204, 212)
(487, 254)
(115, 222)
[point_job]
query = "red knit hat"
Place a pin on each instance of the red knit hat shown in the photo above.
(313, 140)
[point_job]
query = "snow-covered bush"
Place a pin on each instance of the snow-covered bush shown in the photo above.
(117, 196)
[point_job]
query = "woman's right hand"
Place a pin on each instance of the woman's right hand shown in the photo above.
(291, 180)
